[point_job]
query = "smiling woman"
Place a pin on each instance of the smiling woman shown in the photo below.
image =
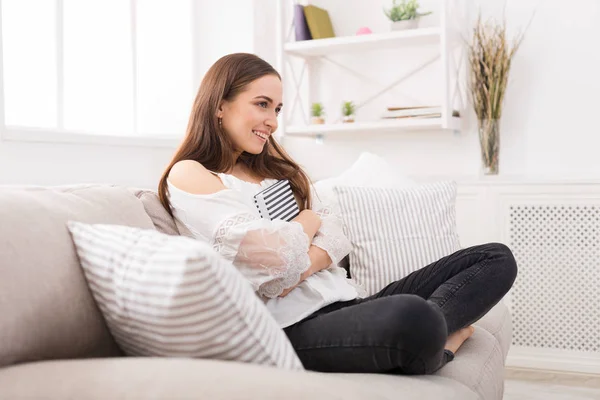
(411, 326)
(229, 155)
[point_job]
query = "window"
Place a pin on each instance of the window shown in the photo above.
(104, 67)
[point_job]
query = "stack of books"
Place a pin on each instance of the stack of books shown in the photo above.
(312, 22)
(415, 112)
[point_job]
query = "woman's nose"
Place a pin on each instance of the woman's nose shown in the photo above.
(271, 122)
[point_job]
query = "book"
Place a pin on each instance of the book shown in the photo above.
(438, 115)
(300, 26)
(277, 202)
(407, 112)
(433, 108)
(318, 22)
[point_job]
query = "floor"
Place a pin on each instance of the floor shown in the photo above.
(528, 385)
(526, 390)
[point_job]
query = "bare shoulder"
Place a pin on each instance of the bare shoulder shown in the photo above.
(191, 176)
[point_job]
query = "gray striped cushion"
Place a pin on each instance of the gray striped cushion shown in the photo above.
(397, 231)
(174, 296)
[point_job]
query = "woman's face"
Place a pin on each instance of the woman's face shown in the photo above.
(251, 118)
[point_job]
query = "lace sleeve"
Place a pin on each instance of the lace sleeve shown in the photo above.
(330, 236)
(270, 254)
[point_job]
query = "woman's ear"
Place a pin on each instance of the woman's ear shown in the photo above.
(220, 109)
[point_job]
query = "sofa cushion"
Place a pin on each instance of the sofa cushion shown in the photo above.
(47, 309)
(174, 296)
(160, 378)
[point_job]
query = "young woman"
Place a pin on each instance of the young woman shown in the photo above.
(412, 326)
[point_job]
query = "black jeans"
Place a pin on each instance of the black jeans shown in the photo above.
(403, 328)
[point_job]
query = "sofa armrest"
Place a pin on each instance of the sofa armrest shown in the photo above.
(479, 365)
(498, 322)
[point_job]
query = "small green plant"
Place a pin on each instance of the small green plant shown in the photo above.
(348, 108)
(405, 10)
(317, 110)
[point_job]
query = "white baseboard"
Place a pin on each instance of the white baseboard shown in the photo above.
(553, 360)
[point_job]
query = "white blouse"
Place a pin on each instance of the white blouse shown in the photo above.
(271, 255)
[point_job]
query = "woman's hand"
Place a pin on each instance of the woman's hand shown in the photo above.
(319, 260)
(310, 221)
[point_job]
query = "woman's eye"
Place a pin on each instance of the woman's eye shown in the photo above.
(277, 110)
(263, 104)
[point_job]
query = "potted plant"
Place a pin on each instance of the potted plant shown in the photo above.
(348, 110)
(404, 15)
(318, 113)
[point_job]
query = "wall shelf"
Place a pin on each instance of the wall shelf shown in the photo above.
(297, 60)
(394, 125)
(359, 43)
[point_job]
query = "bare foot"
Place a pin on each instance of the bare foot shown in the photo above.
(456, 339)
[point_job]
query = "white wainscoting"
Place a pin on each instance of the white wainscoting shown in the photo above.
(553, 228)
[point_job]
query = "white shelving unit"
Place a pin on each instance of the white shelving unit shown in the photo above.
(358, 43)
(443, 36)
(378, 126)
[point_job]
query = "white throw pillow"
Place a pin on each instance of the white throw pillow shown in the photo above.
(174, 296)
(397, 231)
(369, 170)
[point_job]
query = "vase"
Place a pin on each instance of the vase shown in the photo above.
(317, 120)
(489, 142)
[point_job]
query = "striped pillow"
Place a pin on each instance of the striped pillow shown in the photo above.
(174, 296)
(397, 231)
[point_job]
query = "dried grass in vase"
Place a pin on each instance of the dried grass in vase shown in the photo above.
(490, 55)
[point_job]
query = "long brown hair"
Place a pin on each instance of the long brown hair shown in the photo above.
(207, 143)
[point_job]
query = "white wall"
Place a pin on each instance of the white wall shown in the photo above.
(549, 126)
(24, 163)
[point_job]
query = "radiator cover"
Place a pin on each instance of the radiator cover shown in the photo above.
(556, 297)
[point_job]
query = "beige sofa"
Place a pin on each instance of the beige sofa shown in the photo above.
(54, 343)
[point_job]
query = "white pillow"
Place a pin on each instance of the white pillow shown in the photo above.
(369, 170)
(397, 231)
(174, 296)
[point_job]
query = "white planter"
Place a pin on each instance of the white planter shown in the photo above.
(406, 24)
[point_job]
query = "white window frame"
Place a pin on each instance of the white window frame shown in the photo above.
(61, 135)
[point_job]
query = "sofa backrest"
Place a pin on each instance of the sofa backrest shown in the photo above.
(46, 308)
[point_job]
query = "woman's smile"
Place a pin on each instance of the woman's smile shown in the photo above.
(261, 136)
